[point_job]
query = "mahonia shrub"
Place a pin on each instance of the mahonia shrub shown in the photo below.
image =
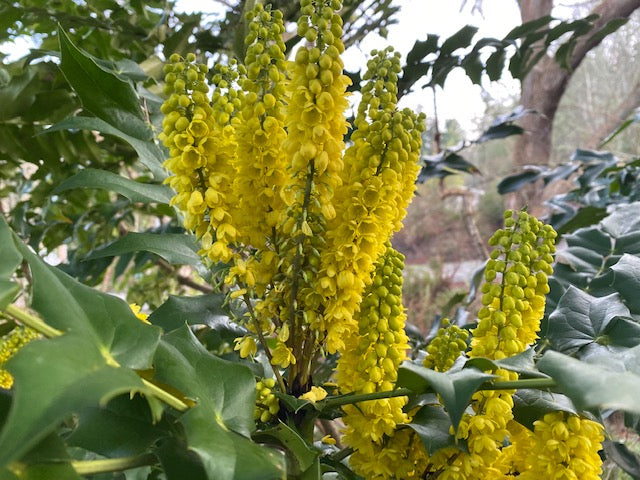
(302, 220)
(293, 209)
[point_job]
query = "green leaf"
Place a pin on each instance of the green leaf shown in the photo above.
(528, 27)
(455, 389)
(150, 154)
(10, 257)
(620, 454)
(461, 39)
(104, 321)
(226, 390)
(591, 386)
(581, 320)
(422, 48)
(8, 291)
(101, 91)
(47, 460)
(121, 428)
(515, 182)
(501, 130)
(50, 386)
(530, 405)
(432, 424)
(522, 363)
(134, 191)
(303, 454)
(175, 248)
(178, 462)
(200, 310)
(218, 426)
(626, 280)
(495, 64)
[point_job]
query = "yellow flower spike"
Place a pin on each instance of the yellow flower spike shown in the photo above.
(368, 201)
(9, 346)
(368, 364)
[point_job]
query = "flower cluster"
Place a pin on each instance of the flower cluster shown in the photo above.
(9, 345)
(565, 447)
(449, 343)
(201, 154)
(267, 405)
(370, 364)
(378, 182)
(515, 287)
(513, 305)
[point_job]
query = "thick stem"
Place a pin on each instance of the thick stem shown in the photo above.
(39, 326)
(32, 321)
(92, 467)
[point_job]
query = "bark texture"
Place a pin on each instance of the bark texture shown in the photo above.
(544, 86)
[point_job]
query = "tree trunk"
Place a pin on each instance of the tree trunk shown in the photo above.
(544, 86)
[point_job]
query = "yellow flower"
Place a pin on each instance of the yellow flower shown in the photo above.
(328, 439)
(314, 395)
(135, 308)
(246, 345)
(282, 356)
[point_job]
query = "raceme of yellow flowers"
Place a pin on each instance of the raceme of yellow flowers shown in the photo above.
(9, 345)
(264, 179)
(302, 218)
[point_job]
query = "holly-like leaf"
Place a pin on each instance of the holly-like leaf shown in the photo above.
(530, 405)
(52, 379)
(149, 153)
(217, 428)
(201, 310)
(590, 385)
(522, 363)
(104, 321)
(302, 454)
(432, 425)
(461, 39)
(125, 427)
(134, 191)
(10, 257)
(175, 248)
(8, 291)
(581, 320)
(626, 281)
(515, 182)
(455, 389)
(101, 91)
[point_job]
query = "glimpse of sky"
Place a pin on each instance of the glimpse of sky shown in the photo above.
(460, 99)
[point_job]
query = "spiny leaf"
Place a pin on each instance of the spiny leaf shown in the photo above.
(590, 386)
(149, 153)
(134, 191)
(101, 91)
(455, 389)
(175, 248)
(50, 386)
(104, 321)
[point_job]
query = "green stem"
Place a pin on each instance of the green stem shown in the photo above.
(263, 342)
(519, 384)
(350, 399)
(38, 325)
(166, 397)
(33, 322)
(92, 467)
